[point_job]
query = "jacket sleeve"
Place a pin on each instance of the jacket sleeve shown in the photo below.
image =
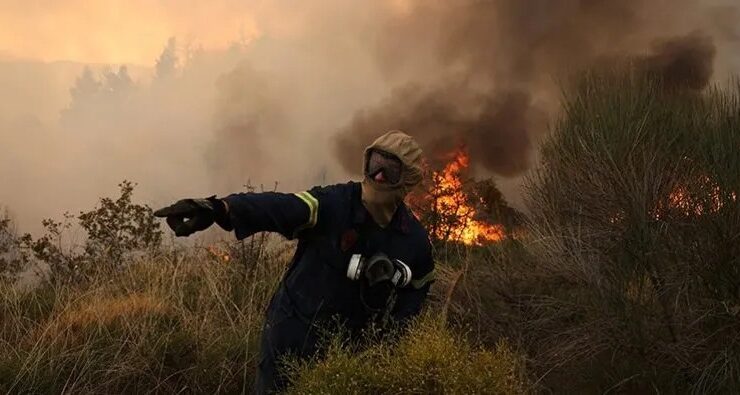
(290, 214)
(411, 298)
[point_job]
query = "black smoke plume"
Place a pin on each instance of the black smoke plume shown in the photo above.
(484, 72)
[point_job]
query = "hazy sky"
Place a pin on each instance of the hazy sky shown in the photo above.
(117, 31)
(132, 31)
(258, 90)
(256, 93)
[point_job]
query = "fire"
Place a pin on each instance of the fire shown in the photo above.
(218, 253)
(686, 203)
(451, 202)
(705, 197)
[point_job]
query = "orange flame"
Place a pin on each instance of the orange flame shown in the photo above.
(452, 202)
(681, 200)
(218, 253)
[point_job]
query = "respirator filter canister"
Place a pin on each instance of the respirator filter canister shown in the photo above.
(379, 268)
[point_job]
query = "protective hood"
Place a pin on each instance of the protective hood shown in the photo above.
(380, 199)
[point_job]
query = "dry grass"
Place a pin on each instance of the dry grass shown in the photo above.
(158, 325)
(192, 324)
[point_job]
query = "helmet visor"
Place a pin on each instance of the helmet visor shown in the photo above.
(383, 167)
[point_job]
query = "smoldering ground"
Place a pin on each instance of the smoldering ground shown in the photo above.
(298, 100)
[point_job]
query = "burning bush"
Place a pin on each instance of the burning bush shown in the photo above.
(634, 225)
(455, 208)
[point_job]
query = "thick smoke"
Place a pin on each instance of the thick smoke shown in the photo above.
(487, 71)
(494, 128)
(683, 62)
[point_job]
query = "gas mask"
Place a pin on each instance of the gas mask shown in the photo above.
(391, 166)
(382, 188)
(379, 277)
(383, 167)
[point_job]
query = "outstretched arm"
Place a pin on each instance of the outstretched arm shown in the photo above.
(283, 213)
(290, 214)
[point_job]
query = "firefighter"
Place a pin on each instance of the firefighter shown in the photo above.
(362, 256)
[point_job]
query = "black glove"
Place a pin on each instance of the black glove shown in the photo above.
(188, 216)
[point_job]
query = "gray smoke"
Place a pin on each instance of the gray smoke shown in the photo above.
(488, 70)
(685, 62)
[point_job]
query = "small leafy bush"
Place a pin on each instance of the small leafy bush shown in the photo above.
(429, 359)
(115, 230)
(117, 227)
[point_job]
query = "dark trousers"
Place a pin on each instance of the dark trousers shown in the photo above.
(284, 334)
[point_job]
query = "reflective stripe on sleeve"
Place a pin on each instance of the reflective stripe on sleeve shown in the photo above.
(418, 283)
(313, 210)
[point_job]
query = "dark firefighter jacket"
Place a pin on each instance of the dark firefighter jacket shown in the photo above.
(331, 224)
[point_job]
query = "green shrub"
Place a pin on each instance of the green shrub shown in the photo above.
(635, 224)
(117, 227)
(115, 231)
(429, 359)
